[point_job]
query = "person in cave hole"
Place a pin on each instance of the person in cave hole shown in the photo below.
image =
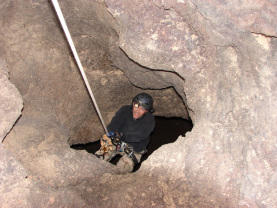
(129, 133)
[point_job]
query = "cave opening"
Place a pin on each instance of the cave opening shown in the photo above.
(166, 131)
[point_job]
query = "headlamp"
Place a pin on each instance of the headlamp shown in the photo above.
(138, 103)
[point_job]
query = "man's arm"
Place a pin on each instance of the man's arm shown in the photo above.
(117, 120)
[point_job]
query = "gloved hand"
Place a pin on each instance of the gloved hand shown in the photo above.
(111, 134)
(104, 137)
(115, 137)
(106, 145)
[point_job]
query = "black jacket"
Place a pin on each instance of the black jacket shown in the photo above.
(135, 132)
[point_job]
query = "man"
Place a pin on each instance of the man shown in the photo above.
(130, 133)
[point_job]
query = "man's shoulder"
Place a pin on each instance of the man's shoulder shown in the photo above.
(150, 117)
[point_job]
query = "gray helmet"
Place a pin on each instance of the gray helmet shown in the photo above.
(144, 100)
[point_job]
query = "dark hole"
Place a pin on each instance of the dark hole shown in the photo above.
(167, 131)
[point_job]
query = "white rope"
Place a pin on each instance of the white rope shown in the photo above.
(69, 39)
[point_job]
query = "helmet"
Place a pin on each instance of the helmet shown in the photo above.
(144, 100)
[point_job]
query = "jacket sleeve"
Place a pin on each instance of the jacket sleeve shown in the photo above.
(117, 121)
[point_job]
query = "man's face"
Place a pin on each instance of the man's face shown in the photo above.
(138, 111)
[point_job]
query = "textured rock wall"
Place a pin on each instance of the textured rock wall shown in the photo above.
(10, 110)
(220, 57)
(57, 109)
(224, 54)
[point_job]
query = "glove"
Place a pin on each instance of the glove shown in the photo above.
(117, 141)
(111, 134)
(106, 145)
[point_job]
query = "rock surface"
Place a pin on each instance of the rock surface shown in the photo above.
(212, 61)
(11, 101)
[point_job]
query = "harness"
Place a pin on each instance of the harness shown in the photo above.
(108, 142)
(130, 153)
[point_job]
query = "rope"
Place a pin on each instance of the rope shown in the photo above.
(69, 39)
